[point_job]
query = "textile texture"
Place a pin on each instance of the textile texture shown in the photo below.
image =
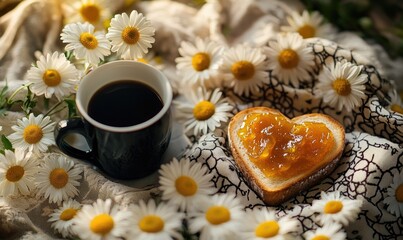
(373, 151)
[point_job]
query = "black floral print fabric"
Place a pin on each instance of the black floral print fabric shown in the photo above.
(371, 158)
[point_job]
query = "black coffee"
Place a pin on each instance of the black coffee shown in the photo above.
(124, 103)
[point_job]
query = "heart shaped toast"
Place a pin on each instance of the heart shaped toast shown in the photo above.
(280, 156)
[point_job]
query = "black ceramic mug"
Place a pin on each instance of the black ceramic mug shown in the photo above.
(125, 119)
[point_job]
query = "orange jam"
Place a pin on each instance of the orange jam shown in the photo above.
(281, 148)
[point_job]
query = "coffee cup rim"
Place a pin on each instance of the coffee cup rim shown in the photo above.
(167, 101)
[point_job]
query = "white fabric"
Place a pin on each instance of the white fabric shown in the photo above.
(34, 25)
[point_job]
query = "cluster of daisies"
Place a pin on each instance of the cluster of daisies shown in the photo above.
(96, 12)
(246, 69)
(51, 177)
(190, 204)
(54, 74)
(26, 170)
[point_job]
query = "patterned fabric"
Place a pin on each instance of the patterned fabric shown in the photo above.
(372, 155)
(365, 171)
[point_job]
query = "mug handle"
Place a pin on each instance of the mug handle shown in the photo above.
(69, 126)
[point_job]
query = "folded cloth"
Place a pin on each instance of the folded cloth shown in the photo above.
(371, 159)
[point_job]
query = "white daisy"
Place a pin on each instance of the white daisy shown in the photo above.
(85, 43)
(133, 34)
(309, 25)
(101, 221)
(199, 62)
(394, 200)
(329, 231)
(244, 69)
(396, 103)
(205, 112)
(95, 12)
(62, 218)
(333, 207)
(17, 172)
(183, 183)
(219, 217)
(342, 86)
(34, 134)
(53, 74)
(58, 178)
(290, 58)
(262, 224)
(150, 58)
(152, 222)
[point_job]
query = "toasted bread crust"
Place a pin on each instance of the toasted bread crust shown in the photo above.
(275, 193)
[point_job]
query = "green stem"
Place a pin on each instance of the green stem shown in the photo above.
(9, 101)
(48, 113)
(88, 67)
(58, 110)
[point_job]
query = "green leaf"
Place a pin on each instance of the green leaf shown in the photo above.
(71, 104)
(6, 143)
(364, 17)
(69, 55)
(29, 102)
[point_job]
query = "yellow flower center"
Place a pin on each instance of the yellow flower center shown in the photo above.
(320, 237)
(217, 215)
(399, 193)
(151, 224)
(15, 173)
(267, 229)
(33, 134)
(397, 108)
(129, 2)
(143, 60)
(51, 77)
(68, 214)
(333, 206)
(203, 110)
(90, 12)
(106, 23)
(288, 58)
(186, 186)
(88, 40)
(130, 35)
(102, 224)
(307, 31)
(58, 177)
(201, 61)
(243, 70)
(342, 86)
